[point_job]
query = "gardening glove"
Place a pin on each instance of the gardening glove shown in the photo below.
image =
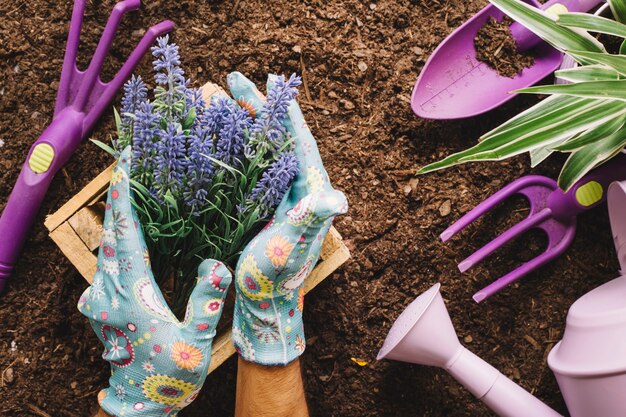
(158, 364)
(267, 324)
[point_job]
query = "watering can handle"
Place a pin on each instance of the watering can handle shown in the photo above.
(526, 39)
(47, 155)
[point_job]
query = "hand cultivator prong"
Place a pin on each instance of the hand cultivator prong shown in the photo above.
(112, 87)
(528, 223)
(516, 187)
(551, 210)
(69, 61)
(81, 100)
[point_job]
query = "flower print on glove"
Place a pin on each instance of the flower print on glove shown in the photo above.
(267, 324)
(158, 364)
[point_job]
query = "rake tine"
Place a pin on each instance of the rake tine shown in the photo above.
(129, 66)
(524, 269)
(505, 237)
(93, 71)
(490, 203)
(71, 50)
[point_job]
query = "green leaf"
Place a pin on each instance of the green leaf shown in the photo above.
(587, 73)
(589, 119)
(585, 159)
(618, 7)
(118, 120)
(591, 135)
(617, 62)
(104, 147)
(592, 23)
(544, 109)
(544, 26)
(601, 90)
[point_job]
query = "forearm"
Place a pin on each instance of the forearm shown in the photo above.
(270, 391)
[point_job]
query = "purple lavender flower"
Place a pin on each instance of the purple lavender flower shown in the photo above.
(199, 169)
(144, 137)
(231, 137)
(169, 75)
(268, 123)
(135, 93)
(170, 161)
(275, 182)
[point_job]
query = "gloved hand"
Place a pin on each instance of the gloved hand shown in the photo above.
(158, 364)
(267, 324)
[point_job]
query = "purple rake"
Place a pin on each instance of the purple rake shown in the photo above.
(551, 210)
(81, 100)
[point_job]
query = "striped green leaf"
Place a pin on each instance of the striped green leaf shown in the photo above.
(617, 62)
(591, 135)
(618, 7)
(589, 89)
(544, 26)
(592, 23)
(523, 138)
(585, 159)
(543, 110)
(589, 119)
(587, 73)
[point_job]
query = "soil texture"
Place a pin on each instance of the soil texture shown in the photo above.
(496, 47)
(359, 61)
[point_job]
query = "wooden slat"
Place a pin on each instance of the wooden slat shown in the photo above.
(81, 199)
(75, 250)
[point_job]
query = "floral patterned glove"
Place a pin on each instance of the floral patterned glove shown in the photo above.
(158, 364)
(267, 324)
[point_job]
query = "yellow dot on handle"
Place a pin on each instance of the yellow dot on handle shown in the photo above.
(589, 194)
(41, 158)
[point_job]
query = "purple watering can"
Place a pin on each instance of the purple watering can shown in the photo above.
(454, 84)
(589, 362)
(81, 100)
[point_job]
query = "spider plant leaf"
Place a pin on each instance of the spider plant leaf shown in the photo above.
(615, 89)
(589, 119)
(618, 8)
(579, 112)
(587, 73)
(592, 23)
(539, 155)
(544, 26)
(544, 109)
(617, 62)
(585, 159)
(591, 135)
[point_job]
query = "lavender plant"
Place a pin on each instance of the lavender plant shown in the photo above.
(204, 178)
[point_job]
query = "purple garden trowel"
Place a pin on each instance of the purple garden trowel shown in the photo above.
(81, 100)
(454, 84)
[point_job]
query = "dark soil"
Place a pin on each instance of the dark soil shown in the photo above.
(496, 47)
(360, 60)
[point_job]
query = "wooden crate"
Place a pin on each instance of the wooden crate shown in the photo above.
(76, 228)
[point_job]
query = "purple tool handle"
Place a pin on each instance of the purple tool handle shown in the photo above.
(567, 205)
(525, 39)
(64, 134)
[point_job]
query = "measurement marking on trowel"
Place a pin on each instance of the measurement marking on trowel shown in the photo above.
(476, 71)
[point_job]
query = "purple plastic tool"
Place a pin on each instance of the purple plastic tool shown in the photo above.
(551, 210)
(81, 100)
(454, 84)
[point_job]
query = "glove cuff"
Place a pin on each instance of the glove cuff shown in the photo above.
(269, 332)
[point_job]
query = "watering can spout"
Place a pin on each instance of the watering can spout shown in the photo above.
(424, 334)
